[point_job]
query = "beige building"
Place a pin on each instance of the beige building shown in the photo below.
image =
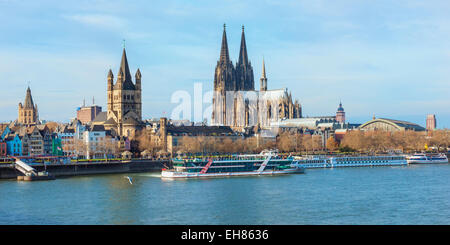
(28, 112)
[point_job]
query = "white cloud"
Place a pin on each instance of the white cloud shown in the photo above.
(99, 20)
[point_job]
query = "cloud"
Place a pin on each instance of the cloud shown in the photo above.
(98, 20)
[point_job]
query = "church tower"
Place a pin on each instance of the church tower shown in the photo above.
(340, 114)
(28, 112)
(225, 75)
(224, 80)
(124, 98)
(244, 69)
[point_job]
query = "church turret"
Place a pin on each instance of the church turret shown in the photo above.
(119, 82)
(110, 80)
(138, 93)
(138, 79)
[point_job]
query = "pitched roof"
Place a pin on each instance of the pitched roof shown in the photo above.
(101, 117)
(97, 128)
(131, 121)
(110, 121)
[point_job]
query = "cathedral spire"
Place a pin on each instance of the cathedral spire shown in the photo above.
(244, 69)
(263, 84)
(243, 58)
(224, 55)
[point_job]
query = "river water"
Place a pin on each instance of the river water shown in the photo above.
(415, 194)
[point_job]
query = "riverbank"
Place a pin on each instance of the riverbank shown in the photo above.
(7, 171)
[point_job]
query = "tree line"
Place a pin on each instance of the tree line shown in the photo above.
(354, 140)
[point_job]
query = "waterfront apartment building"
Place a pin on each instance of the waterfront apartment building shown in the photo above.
(67, 137)
(99, 143)
(14, 145)
(36, 142)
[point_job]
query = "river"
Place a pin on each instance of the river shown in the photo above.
(415, 194)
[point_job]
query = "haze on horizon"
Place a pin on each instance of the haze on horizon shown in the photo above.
(386, 58)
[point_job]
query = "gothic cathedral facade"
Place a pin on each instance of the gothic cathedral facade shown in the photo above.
(236, 103)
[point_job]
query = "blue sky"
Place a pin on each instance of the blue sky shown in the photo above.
(385, 58)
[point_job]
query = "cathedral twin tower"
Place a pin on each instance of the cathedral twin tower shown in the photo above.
(236, 103)
(230, 78)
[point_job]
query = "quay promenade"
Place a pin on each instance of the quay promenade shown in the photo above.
(8, 171)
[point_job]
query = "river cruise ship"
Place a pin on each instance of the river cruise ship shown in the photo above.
(265, 163)
(421, 158)
(349, 161)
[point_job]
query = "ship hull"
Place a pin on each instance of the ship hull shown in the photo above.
(174, 174)
(427, 161)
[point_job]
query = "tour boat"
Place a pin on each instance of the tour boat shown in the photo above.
(350, 161)
(265, 163)
(427, 158)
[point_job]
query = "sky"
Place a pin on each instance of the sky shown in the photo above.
(388, 59)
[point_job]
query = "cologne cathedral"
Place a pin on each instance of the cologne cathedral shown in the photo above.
(237, 104)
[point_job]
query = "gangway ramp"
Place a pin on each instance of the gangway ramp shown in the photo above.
(24, 168)
(264, 164)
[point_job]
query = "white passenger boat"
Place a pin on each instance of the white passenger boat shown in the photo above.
(421, 158)
(351, 161)
(265, 163)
